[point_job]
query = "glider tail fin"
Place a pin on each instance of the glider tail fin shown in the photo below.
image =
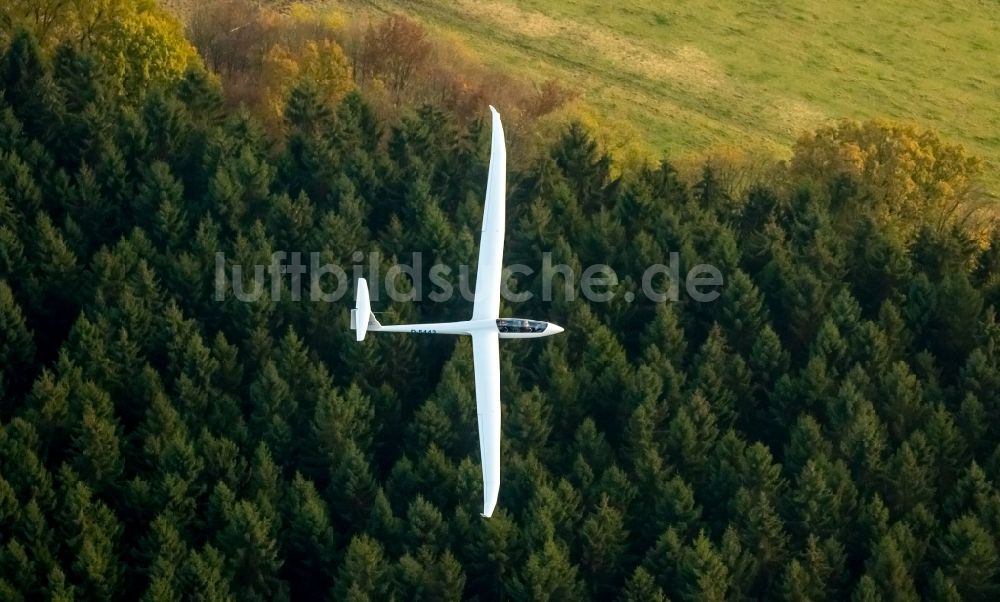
(362, 319)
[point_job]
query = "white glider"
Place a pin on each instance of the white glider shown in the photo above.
(486, 327)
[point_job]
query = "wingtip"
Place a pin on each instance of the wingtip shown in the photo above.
(494, 111)
(488, 509)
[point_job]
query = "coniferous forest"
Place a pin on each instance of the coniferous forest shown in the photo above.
(827, 429)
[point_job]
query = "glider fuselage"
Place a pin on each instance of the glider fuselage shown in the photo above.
(507, 328)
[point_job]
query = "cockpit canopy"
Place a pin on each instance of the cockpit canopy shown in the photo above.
(520, 325)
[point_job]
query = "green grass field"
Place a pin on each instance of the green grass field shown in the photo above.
(692, 76)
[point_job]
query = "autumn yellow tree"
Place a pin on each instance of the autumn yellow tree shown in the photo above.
(902, 175)
(139, 43)
(53, 21)
(393, 51)
(45, 19)
(144, 49)
(323, 63)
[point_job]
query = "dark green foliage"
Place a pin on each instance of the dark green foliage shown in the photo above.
(548, 575)
(969, 558)
(829, 428)
(18, 348)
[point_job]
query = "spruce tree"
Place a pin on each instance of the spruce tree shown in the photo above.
(364, 573)
(249, 543)
(17, 350)
(969, 558)
(548, 574)
(702, 574)
(308, 541)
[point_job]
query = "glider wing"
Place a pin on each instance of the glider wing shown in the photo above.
(486, 355)
(489, 272)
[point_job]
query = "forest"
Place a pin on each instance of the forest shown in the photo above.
(828, 429)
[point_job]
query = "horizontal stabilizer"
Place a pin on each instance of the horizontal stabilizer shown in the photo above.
(362, 319)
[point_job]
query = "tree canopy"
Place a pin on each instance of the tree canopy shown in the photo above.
(829, 428)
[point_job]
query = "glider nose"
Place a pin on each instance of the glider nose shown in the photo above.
(553, 328)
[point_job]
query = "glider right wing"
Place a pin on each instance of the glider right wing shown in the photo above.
(486, 356)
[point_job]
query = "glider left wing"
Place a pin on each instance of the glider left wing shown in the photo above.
(487, 303)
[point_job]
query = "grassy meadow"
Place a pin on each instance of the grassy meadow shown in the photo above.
(689, 77)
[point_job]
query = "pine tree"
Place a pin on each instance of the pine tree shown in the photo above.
(201, 93)
(96, 440)
(881, 265)
(249, 543)
(426, 526)
(942, 588)
(92, 531)
(971, 492)
(709, 190)
(743, 313)
(607, 374)
(702, 575)
(272, 406)
(910, 480)
(17, 349)
(492, 551)
(603, 538)
(528, 422)
(552, 510)
(805, 439)
(888, 573)
(825, 497)
(817, 574)
(866, 591)
(340, 420)
(11, 250)
(969, 558)
(761, 531)
(58, 269)
(205, 576)
(666, 334)
(691, 435)
(947, 444)
(352, 486)
(365, 573)
(167, 553)
(432, 577)
(290, 220)
(431, 426)
(677, 507)
(21, 64)
(78, 74)
(641, 587)
(15, 562)
(21, 187)
(767, 361)
(58, 590)
(721, 377)
(863, 438)
(952, 334)
(548, 575)
(383, 524)
(585, 168)
(308, 541)
(902, 404)
(980, 380)
(740, 563)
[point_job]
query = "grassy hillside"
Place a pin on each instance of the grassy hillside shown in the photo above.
(693, 76)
